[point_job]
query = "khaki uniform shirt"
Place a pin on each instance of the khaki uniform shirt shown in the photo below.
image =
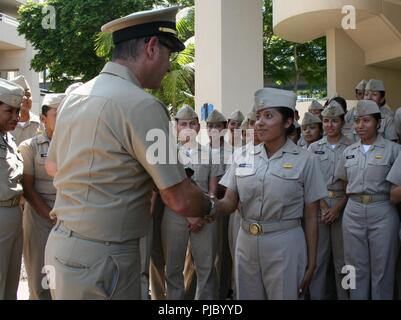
(34, 153)
(276, 188)
(30, 129)
(394, 176)
(201, 162)
(11, 168)
(366, 172)
(329, 158)
(100, 145)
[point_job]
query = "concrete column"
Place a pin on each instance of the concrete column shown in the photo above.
(229, 53)
(346, 66)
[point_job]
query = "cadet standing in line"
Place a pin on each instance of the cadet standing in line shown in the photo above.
(29, 123)
(370, 221)
(274, 258)
(40, 195)
(360, 90)
(104, 168)
(312, 129)
(397, 123)
(11, 168)
(330, 245)
(178, 232)
(234, 124)
(316, 109)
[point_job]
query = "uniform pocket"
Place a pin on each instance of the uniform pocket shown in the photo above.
(246, 183)
(377, 169)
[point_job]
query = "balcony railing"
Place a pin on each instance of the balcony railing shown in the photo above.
(9, 20)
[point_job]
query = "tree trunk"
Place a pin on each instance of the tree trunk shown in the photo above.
(297, 71)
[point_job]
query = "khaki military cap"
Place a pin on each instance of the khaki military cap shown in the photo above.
(245, 124)
(11, 93)
(274, 98)
(145, 24)
(236, 116)
(310, 118)
(53, 100)
(375, 85)
(215, 116)
(365, 108)
(315, 105)
(333, 110)
(251, 116)
(186, 113)
(72, 87)
(21, 81)
(361, 85)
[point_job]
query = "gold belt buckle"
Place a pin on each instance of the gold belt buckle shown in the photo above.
(255, 229)
(332, 194)
(366, 199)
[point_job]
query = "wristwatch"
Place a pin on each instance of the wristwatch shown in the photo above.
(213, 207)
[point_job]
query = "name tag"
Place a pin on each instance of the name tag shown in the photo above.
(288, 166)
(320, 152)
(43, 155)
(378, 157)
(245, 165)
(350, 157)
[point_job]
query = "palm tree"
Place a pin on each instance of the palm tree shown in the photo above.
(178, 86)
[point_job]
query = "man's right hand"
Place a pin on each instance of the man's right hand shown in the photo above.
(195, 224)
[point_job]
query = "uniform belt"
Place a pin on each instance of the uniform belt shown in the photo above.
(333, 194)
(258, 228)
(369, 198)
(61, 226)
(14, 202)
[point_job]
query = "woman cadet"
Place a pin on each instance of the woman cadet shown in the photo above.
(370, 221)
(40, 195)
(11, 168)
(312, 129)
(277, 184)
(330, 245)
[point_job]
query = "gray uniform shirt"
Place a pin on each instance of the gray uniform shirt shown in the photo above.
(28, 130)
(11, 168)
(275, 188)
(394, 176)
(366, 172)
(100, 145)
(329, 158)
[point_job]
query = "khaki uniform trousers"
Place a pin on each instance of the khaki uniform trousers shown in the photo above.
(175, 237)
(223, 262)
(233, 229)
(145, 247)
(36, 231)
(92, 270)
(157, 264)
(330, 249)
(270, 266)
(10, 251)
(371, 245)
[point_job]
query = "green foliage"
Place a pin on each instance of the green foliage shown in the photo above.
(68, 51)
(286, 63)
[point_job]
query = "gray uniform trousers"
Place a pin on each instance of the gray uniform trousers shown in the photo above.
(157, 263)
(175, 236)
(270, 266)
(330, 243)
(92, 270)
(36, 231)
(233, 229)
(10, 251)
(371, 245)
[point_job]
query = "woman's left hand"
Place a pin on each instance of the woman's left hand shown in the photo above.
(306, 280)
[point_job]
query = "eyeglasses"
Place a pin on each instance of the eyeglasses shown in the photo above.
(173, 54)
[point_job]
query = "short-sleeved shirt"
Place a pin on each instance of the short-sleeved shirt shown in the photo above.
(275, 188)
(34, 152)
(394, 176)
(222, 155)
(11, 168)
(108, 147)
(201, 162)
(366, 172)
(27, 130)
(328, 159)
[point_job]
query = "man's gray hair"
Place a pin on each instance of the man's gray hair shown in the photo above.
(128, 49)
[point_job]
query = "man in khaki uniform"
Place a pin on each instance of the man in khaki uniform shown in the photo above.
(370, 221)
(40, 195)
(330, 243)
(177, 231)
(11, 167)
(29, 123)
(104, 160)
